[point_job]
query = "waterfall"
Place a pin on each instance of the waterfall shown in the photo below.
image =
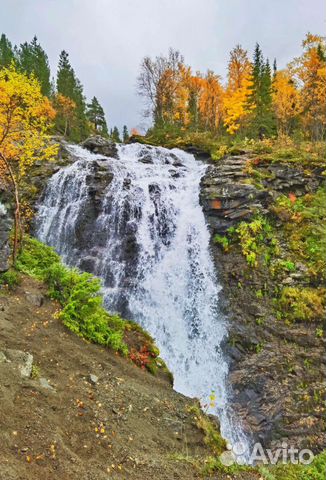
(144, 234)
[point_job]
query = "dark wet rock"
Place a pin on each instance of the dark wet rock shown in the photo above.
(199, 153)
(147, 158)
(87, 264)
(5, 228)
(174, 173)
(177, 163)
(226, 200)
(266, 356)
(98, 144)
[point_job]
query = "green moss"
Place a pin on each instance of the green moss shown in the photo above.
(213, 437)
(78, 294)
(223, 241)
(314, 471)
(304, 226)
(10, 279)
(302, 304)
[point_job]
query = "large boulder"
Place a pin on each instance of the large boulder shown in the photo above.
(98, 144)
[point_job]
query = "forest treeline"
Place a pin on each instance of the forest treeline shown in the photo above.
(257, 100)
(75, 117)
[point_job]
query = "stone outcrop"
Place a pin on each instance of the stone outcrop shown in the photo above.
(226, 200)
(21, 361)
(229, 195)
(98, 144)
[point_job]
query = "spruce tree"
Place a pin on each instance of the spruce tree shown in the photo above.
(6, 51)
(263, 122)
(115, 135)
(274, 68)
(32, 59)
(125, 134)
(96, 116)
(69, 86)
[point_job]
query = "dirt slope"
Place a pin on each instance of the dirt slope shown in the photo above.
(126, 424)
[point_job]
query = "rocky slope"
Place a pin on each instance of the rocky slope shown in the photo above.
(72, 410)
(277, 368)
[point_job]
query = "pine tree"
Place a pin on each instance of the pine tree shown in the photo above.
(125, 134)
(266, 85)
(115, 135)
(96, 116)
(32, 59)
(6, 52)
(263, 122)
(69, 86)
(274, 68)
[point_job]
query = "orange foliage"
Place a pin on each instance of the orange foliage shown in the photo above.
(66, 108)
(211, 102)
(309, 70)
(286, 100)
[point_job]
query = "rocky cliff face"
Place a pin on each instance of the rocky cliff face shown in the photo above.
(269, 358)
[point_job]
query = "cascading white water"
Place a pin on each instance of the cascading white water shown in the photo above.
(163, 271)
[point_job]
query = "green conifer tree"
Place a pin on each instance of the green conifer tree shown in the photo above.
(7, 54)
(115, 135)
(125, 134)
(263, 122)
(69, 86)
(32, 59)
(274, 68)
(96, 116)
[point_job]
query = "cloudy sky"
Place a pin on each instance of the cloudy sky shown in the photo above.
(106, 39)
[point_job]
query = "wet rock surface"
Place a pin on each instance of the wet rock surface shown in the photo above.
(225, 199)
(98, 144)
(269, 376)
(5, 227)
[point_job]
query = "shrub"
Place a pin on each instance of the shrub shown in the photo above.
(78, 293)
(303, 304)
(223, 241)
(256, 238)
(10, 279)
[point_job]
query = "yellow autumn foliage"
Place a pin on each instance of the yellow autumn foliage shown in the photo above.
(286, 100)
(25, 118)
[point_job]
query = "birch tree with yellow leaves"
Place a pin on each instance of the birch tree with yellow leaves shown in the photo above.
(211, 106)
(25, 119)
(238, 92)
(286, 102)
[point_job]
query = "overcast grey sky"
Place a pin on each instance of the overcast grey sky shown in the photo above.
(106, 39)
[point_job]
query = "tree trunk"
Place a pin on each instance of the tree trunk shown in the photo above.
(18, 232)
